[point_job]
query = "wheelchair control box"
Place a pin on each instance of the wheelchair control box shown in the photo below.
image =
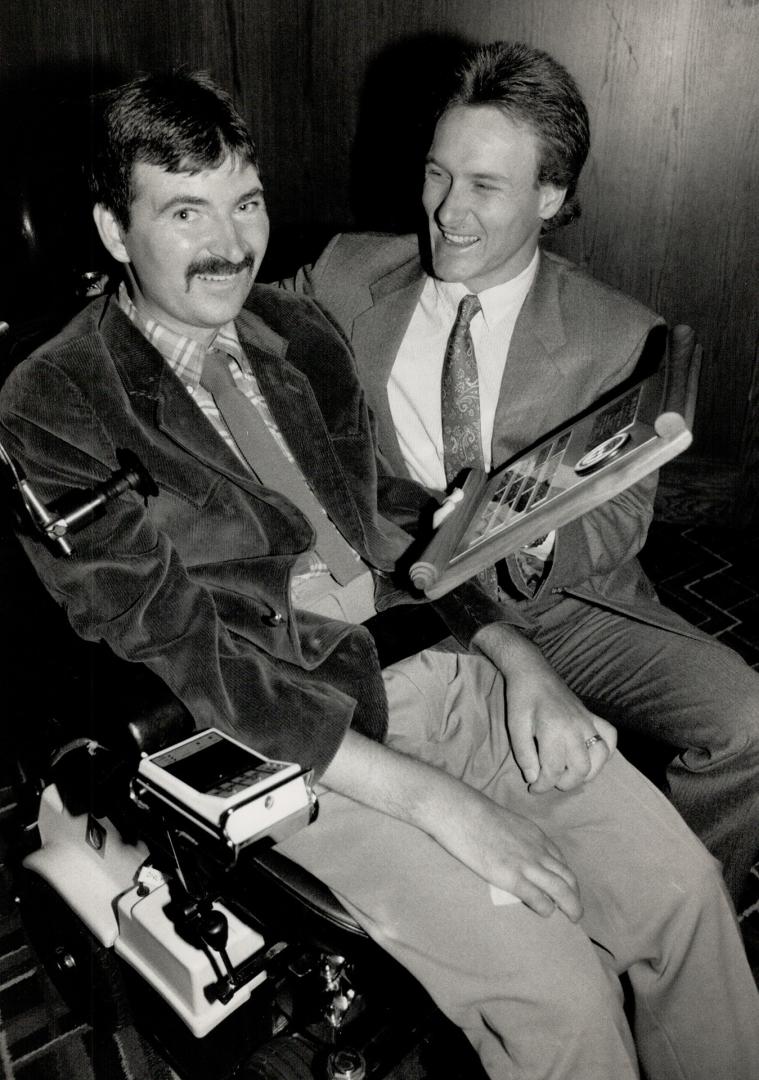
(218, 786)
(214, 794)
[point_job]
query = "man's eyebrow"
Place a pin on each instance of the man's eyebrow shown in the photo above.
(496, 177)
(182, 200)
(493, 177)
(252, 194)
(198, 200)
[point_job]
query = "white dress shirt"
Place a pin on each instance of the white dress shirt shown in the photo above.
(414, 386)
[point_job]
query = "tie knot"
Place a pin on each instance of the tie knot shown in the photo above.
(468, 308)
(216, 373)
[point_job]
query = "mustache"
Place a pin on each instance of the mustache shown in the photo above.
(216, 265)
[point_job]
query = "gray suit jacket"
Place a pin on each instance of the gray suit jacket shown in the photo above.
(575, 339)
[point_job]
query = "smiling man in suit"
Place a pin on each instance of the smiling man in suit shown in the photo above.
(471, 343)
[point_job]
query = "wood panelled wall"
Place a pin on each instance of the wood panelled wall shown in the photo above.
(336, 90)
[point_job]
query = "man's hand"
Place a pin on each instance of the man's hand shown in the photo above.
(549, 727)
(510, 852)
(503, 848)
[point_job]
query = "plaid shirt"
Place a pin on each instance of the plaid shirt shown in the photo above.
(186, 357)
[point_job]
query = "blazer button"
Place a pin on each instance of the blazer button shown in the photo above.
(274, 618)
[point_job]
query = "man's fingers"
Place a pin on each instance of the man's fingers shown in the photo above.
(588, 762)
(543, 889)
(608, 733)
(553, 760)
(598, 756)
(534, 898)
(580, 761)
(579, 764)
(558, 866)
(601, 750)
(525, 753)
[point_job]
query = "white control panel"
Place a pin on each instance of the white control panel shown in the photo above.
(229, 789)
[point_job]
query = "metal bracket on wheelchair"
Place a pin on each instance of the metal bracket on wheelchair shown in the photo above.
(58, 520)
(202, 924)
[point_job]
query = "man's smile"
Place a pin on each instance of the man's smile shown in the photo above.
(220, 276)
(460, 240)
(231, 276)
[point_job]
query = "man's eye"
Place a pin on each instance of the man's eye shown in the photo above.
(184, 214)
(250, 206)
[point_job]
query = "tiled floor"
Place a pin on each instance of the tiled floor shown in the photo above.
(704, 571)
(710, 576)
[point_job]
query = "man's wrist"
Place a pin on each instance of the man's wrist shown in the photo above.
(501, 640)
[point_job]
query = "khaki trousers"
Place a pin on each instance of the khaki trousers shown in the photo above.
(541, 999)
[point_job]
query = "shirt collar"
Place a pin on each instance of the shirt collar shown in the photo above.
(497, 302)
(184, 355)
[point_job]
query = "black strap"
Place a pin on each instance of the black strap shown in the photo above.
(405, 630)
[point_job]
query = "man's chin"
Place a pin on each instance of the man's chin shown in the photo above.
(221, 298)
(451, 265)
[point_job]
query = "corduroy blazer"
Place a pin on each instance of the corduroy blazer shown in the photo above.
(195, 582)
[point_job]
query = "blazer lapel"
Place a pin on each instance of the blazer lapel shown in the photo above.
(159, 399)
(533, 368)
(376, 336)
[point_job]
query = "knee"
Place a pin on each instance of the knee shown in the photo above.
(575, 1020)
(738, 710)
(585, 1001)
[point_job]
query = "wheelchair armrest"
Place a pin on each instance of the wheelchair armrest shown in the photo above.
(155, 718)
(292, 899)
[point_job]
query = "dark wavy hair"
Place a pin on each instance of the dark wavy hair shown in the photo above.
(181, 121)
(532, 88)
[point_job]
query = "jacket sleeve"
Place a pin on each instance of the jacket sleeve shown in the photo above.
(126, 585)
(602, 540)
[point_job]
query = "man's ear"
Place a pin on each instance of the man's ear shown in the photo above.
(111, 233)
(551, 200)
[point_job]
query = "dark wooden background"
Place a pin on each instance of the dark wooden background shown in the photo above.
(336, 92)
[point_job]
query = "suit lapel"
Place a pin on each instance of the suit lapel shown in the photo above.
(159, 399)
(533, 367)
(376, 336)
(531, 375)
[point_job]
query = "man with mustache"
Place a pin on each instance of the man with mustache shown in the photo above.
(243, 584)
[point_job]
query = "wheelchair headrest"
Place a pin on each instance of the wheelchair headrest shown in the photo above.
(50, 253)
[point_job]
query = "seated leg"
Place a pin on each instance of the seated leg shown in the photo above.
(687, 690)
(541, 997)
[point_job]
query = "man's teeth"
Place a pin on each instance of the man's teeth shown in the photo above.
(461, 241)
(217, 277)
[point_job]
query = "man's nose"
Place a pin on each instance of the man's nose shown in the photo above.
(452, 208)
(227, 241)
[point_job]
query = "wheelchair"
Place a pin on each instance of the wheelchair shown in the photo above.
(228, 958)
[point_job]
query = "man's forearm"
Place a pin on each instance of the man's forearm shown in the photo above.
(503, 848)
(383, 779)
